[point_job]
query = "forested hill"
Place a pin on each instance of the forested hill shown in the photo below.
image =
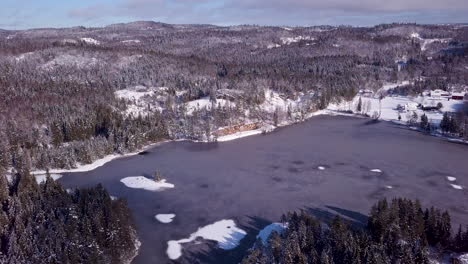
(73, 95)
(397, 232)
(43, 223)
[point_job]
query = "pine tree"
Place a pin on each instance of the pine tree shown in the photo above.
(424, 124)
(359, 105)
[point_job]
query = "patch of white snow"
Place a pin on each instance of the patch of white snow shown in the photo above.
(225, 232)
(141, 182)
(265, 233)
(165, 218)
(456, 186)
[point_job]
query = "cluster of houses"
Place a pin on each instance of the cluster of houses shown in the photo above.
(439, 94)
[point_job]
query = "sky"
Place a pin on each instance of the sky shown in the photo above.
(22, 14)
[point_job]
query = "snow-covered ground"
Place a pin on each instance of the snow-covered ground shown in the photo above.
(463, 258)
(165, 218)
(90, 41)
(225, 232)
(92, 166)
(141, 182)
(39, 178)
(42, 178)
(70, 60)
(265, 233)
(290, 40)
(426, 42)
(205, 103)
(140, 97)
(239, 135)
(389, 105)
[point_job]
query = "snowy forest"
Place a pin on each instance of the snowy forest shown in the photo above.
(70, 96)
(399, 231)
(44, 223)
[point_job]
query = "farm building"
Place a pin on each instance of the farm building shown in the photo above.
(438, 93)
(458, 96)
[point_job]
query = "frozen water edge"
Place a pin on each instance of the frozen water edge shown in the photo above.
(96, 164)
(265, 233)
(225, 232)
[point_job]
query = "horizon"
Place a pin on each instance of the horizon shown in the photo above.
(30, 14)
(237, 25)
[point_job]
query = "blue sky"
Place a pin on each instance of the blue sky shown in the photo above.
(20, 14)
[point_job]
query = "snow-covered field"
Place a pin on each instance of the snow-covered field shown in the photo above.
(90, 41)
(426, 42)
(165, 218)
(205, 103)
(225, 232)
(140, 97)
(265, 233)
(71, 60)
(389, 104)
(141, 182)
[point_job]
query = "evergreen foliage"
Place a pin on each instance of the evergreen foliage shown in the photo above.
(397, 232)
(43, 223)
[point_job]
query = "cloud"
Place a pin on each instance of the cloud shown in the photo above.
(275, 12)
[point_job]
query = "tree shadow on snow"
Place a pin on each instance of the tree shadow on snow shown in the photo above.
(329, 213)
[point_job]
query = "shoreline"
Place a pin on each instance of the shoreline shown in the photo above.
(231, 137)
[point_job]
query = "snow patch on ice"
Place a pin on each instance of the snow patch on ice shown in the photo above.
(265, 233)
(239, 135)
(376, 170)
(141, 182)
(456, 186)
(321, 168)
(165, 218)
(450, 178)
(389, 187)
(225, 232)
(131, 41)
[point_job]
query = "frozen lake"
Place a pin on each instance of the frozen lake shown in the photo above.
(327, 165)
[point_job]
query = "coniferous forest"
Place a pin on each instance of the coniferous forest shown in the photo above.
(44, 223)
(71, 96)
(400, 231)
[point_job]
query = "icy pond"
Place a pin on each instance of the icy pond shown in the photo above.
(327, 165)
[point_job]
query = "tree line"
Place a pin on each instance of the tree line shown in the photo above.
(399, 231)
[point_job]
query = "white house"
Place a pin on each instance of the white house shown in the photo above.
(438, 93)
